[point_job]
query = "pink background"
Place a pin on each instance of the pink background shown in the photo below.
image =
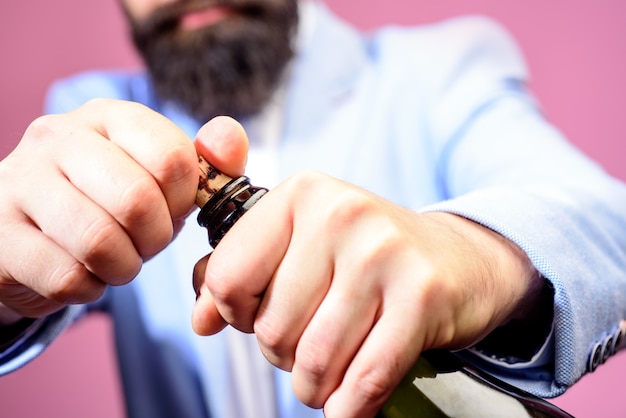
(576, 53)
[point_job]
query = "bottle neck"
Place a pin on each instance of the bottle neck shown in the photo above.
(223, 200)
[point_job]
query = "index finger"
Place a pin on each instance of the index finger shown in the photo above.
(154, 142)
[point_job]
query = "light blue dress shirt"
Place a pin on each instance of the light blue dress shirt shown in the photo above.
(433, 118)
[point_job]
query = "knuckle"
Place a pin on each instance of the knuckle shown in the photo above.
(343, 205)
(305, 185)
(74, 284)
(373, 388)
(97, 103)
(94, 104)
(172, 166)
(379, 249)
(99, 240)
(105, 255)
(347, 208)
(142, 205)
(232, 297)
(315, 360)
(343, 213)
(306, 179)
(101, 105)
(273, 340)
(224, 289)
(381, 241)
(270, 336)
(41, 128)
(111, 108)
(137, 202)
(142, 211)
(103, 252)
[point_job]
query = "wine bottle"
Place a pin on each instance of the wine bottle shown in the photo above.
(440, 384)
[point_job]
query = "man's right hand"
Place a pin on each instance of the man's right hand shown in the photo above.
(85, 198)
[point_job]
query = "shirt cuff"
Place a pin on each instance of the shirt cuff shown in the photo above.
(542, 358)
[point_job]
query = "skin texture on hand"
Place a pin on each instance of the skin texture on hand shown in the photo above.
(86, 197)
(341, 287)
(346, 289)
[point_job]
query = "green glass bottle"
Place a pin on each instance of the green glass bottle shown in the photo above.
(440, 384)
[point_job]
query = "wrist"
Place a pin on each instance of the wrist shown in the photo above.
(525, 333)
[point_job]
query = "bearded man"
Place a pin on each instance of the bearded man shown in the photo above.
(419, 200)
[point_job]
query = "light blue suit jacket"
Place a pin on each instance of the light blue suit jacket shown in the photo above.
(433, 118)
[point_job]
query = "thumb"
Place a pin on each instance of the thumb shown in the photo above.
(223, 142)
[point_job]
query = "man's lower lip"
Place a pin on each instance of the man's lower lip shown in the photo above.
(202, 18)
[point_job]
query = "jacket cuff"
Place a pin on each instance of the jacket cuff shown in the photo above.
(35, 337)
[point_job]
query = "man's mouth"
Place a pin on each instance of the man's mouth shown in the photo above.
(204, 17)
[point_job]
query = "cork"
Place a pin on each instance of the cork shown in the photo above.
(210, 181)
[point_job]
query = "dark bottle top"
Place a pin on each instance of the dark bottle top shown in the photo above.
(440, 384)
(222, 200)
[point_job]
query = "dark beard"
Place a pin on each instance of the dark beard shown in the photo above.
(228, 68)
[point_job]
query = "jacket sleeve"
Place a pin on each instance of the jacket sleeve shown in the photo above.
(37, 337)
(504, 166)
